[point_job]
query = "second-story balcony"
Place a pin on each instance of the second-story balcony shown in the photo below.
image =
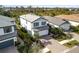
(6, 36)
(41, 28)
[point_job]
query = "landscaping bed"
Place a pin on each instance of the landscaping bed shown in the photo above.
(71, 43)
(75, 29)
(59, 34)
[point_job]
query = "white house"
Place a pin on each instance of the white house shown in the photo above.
(72, 19)
(34, 24)
(7, 32)
(57, 22)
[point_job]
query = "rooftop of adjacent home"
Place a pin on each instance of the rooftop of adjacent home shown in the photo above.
(73, 17)
(30, 17)
(6, 21)
(54, 20)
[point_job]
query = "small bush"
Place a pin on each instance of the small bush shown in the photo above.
(75, 29)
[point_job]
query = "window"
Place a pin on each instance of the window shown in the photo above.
(15, 27)
(7, 29)
(13, 22)
(43, 23)
(36, 24)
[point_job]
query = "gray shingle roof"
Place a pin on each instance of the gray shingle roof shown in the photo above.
(5, 21)
(54, 20)
(30, 17)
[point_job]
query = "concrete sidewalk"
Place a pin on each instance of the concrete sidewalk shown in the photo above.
(55, 47)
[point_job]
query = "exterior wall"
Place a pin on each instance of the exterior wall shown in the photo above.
(4, 36)
(13, 29)
(15, 39)
(29, 26)
(22, 22)
(40, 20)
(44, 32)
(65, 26)
(74, 23)
(2, 31)
(33, 32)
(25, 24)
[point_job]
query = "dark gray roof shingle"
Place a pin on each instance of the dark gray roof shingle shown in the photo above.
(54, 20)
(5, 21)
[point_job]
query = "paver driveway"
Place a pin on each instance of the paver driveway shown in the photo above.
(11, 49)
(55, 47)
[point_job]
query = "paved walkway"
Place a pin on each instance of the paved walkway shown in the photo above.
(75, 36)
(58, 47)
(74, 50)
(55, 47)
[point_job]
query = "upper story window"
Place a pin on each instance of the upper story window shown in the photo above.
(36, 24)
(15, 27)
(13, 22)
(7, 29)
(43, 23)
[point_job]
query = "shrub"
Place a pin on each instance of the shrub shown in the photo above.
(59, 34)
(75, 29)
(20, 48)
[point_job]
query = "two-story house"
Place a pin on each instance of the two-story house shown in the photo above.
(34, 24)
(7, 32)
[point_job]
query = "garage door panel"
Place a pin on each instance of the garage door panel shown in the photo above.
(44, 32)
(6, 44)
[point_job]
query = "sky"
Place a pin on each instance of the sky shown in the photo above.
(49, 3)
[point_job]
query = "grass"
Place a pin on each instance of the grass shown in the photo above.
(72, 43)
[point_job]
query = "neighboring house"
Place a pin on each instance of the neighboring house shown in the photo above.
(34, 24)
(72, 19)
(57, 22)
(7, 32)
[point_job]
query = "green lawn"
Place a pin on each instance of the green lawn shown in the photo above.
(72, 43)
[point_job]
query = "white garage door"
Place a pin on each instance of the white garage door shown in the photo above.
(44, 32)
